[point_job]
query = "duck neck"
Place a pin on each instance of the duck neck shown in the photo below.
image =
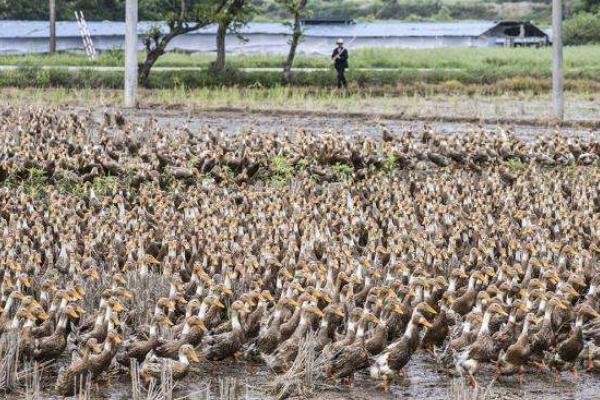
(525, 328)
(235, 321)
(183, 359)
(542, 305)
(153, 330)
(186, 328)
(8, 305)
(452, 285)
(203, 309)
(471, 285)
(302, 326)
(466, 327)
(62, 324)
(547, 315)
(360, 333)
(485, 325)
(410, 328)
(419, 294)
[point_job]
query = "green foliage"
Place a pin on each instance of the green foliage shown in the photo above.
(66, 186)
(454, 70)
(106, 185)
(583, 28)
(282, 171)
(390, 163)
(36, 183)
(515, 165)
(343, 171)
(591, 6)
(169, 10)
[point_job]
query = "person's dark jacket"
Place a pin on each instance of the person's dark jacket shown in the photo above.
(342, 61)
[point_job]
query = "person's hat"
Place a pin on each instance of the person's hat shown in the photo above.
(340, 41)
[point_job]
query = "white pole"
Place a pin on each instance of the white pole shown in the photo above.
(557, 60)
(52, 42)
(131, 67)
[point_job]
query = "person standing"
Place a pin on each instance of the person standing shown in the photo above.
(340, 58)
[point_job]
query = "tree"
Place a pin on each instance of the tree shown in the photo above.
(591, 6)
(183, 16)
(234, 15)
(297, 9)
(583, 28)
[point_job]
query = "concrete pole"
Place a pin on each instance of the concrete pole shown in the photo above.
(131, 65)
(557, 60)
(52, 41)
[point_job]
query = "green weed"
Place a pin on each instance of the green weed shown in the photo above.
(516, 165)
(343, 171)
(106, 185)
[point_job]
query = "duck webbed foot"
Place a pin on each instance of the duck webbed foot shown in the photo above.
(590, 365)
(473, 381)
(386, 384)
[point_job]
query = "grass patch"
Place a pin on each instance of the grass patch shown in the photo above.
(516, 165)
(343, 171)
(456, 67)
(282, 171)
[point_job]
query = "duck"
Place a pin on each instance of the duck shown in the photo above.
(51, 347)
(483, 349)
(70, 377)
(153, 367)
(567, 351)
(517, 355)
(228, 344)
(99, 363)
(392, 360)
(192, 333)
(286, 352)
(354, 357)
(135, 349)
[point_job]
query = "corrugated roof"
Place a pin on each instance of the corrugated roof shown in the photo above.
(39, 29)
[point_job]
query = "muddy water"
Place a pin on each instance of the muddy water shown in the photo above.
(236, 123)
(422, 381)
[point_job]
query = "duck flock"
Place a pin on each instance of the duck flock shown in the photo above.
(479, 248)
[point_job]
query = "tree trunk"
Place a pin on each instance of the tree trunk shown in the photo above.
(151, 58)
(296, 36)
(287, 66)
(219, 65)
(160, 45)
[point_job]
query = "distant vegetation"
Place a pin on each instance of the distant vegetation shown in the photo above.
(439, 10)
(453, 70)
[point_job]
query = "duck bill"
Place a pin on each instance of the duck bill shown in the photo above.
(201, 325)
(425, 323)
(430, 310)
(219, 304)
(194, 356)
(268, 297)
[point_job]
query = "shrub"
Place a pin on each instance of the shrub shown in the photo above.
(583, 28)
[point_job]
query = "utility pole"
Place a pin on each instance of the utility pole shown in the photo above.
(557, 60)
(52, 42)
(131, 64)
